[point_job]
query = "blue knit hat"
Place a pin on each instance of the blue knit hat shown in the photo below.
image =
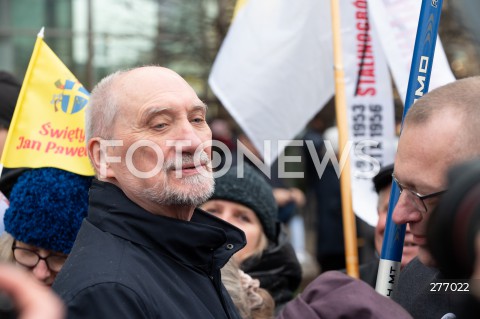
(47, 206)
(251, 190)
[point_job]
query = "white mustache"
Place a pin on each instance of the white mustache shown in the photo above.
(186, 159)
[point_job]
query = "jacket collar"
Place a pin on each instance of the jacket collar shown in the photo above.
(205, 241)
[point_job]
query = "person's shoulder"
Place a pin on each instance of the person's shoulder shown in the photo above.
(352, 299)
(105, 276)
(417, 272)
(106, 300)
(413, 292)
(96, 257)
(414, 278)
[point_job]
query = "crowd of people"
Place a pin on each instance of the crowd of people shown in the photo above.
(189, 243)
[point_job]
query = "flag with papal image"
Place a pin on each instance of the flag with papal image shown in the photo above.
(48, 124)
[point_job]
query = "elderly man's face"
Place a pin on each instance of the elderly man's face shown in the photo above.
(165, 157)
(425, 152)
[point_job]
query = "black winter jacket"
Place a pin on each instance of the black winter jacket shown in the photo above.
(277, 269)
(414, 294)
(129, 263)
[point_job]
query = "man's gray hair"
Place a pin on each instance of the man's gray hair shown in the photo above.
(102, 109)
(463, 98)
(462, 95)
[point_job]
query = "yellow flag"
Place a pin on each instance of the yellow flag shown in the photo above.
(48, 125)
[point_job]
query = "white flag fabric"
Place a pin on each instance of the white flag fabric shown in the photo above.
(396, 22)
(370, 107)
(274, 71)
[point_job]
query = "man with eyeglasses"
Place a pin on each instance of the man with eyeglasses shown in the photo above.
(440, 130)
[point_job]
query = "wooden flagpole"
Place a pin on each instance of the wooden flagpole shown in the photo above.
(348, 217)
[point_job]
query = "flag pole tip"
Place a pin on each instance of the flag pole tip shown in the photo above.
(41, 33)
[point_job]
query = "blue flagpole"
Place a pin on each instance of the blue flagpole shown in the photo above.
(418, 83)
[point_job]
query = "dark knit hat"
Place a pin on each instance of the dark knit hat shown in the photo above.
(47, 206)
(251, 190)
(383, 178)
(9, 91)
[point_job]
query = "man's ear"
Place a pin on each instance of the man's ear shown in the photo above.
(98, 153)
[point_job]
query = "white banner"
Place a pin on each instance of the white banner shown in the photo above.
(396, 22)
(274, 71)
(370, 107)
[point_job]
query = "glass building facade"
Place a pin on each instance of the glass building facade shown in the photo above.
(96, 37)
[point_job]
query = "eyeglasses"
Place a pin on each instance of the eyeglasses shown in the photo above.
(30, 258)
(417, 199)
